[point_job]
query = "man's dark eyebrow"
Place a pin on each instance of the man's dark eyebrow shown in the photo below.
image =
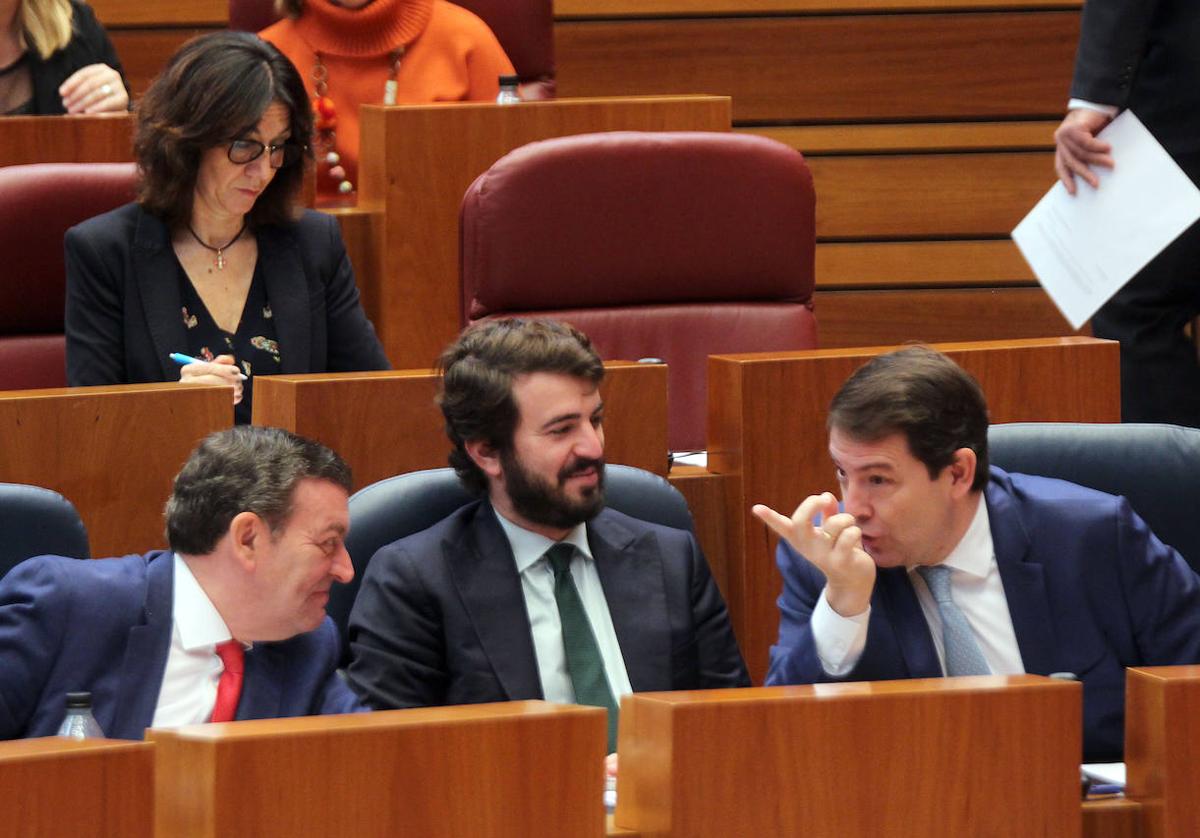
(565, 417)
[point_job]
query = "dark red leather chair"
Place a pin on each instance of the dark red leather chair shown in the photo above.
(525, 28)
(38, 204)
(666, 245)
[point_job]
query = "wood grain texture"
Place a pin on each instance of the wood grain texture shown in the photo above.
(837, 68)
(111, 451)
(386, 423)
(66, 139)
(854, 760)
(144, 52)
(866, 318)
(1113, 818)
(417, 161)
(567, 9)
(528, 769)
(95, 788)
(917, 137)
(1162, 747)
(955, 264)
(767, 425)
(710, 498)
(116, 14)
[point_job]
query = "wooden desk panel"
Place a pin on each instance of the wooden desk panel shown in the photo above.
(1162, 747)
(767, 425)
(417, 161)
(111, 451)
(863, 759)
(386, 423)
(836, 68)
(528, 769)
(66, 139)
(566, 9)
(95, 788)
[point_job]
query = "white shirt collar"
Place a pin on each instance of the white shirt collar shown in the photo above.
(529, 546)
(196, 619)
(974, 552)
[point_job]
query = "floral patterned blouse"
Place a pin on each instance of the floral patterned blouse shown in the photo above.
(253, 346)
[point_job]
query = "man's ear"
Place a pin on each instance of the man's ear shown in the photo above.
(962, 470)
(247, 536)
(486, 456)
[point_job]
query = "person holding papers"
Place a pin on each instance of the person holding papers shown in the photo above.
(936, 564)
(1143, 55)
(228, 624)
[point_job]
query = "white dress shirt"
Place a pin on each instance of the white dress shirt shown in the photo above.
(189, 687)
(976, 588)
(537, 584)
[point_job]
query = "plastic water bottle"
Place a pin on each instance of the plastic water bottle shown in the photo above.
(508, 90)
(79, 722)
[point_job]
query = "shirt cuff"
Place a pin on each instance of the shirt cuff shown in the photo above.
(839, 640)
(1110, 110)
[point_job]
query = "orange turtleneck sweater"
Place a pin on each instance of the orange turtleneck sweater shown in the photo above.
(450, 56)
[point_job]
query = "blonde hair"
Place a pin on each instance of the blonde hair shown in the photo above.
(289, 8)
(46, 25)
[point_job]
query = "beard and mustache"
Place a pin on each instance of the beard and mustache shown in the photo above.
(542, 502)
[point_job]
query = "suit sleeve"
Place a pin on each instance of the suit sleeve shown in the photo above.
(1112, 42)
(335, 695)
(398, 656)
(794, 658)
(353, 345)
(720, 659)
(33, 617)
(93, 316)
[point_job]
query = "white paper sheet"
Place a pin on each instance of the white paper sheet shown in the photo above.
(1083, 248)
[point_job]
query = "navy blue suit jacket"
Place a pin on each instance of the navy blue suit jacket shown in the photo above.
(1090, 589)
(441, 617)
(105, 625)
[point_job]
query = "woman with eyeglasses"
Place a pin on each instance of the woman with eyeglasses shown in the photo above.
(215, 261)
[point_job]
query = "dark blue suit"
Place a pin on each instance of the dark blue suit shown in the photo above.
(1090, 590)
(441, 616)
(105, 626)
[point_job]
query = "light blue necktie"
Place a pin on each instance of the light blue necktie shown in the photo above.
(962, 652)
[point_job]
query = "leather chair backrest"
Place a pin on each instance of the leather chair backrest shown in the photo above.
(525, 28)
(36, 522)
(1155, 467)
(671, 245)
(33, 282)
(409, 503)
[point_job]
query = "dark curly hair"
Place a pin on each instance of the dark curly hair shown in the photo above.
(215, 89)
(476, 396)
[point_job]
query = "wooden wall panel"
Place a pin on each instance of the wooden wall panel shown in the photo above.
(568, 9)
(833, 68)
(144, 52)
(74, 139)
(842, 265)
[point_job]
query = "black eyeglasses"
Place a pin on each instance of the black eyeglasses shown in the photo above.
(284, 154)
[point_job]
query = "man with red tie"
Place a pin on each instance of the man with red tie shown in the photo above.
(228, 624)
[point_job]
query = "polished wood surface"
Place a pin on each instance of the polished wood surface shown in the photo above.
(864, 759)
(923, 137)
(92, 788)
(890, 315)
(66, 139)
(118, 14)
(767, 425)
(954, 264)
(565, 9)
(528, 769)
(1162, 747)
(1115, 817)
(111, 451)
(833, 68)
(417, 161)
(386, 423)
(144, 51)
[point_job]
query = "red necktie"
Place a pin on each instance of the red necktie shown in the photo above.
(229, 688)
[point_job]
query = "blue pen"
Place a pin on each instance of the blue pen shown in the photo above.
(182, 360)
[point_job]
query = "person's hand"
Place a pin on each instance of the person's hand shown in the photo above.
(835, 548)
(220, 370)
(1076, 148)
(96, 88)
(610, 767)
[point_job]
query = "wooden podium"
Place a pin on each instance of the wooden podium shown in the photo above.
(938, 758)
(95, 788)
(1162, 748)
(528, 769)
(416, 163)
(112, 451)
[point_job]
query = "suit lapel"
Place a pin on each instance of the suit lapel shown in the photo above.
(1024, 585)
(631, 574)
(485, 574)
(146, 649)
(156, 272)
(287, 291)
(903, 611)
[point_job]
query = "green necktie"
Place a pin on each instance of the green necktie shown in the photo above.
(584, 664)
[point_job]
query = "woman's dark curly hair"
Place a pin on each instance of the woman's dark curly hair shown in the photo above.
(216, 89)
